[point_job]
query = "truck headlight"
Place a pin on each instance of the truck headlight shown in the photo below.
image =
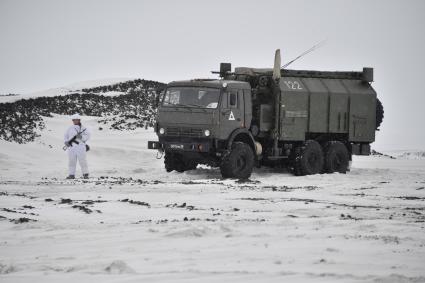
(207, 133)
(161, 131)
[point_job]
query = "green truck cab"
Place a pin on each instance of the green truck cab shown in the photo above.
(308, 121)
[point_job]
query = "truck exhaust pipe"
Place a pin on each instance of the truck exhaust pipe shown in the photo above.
(277, 64)
(276, 91)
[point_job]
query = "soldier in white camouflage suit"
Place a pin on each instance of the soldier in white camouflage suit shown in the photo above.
(75, 140)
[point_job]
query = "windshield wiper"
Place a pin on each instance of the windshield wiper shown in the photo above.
(189, 106)
(180, 105)
(198, 106)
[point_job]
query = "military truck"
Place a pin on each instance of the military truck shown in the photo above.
(308, 121)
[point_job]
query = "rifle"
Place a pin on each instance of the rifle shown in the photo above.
(72, 140)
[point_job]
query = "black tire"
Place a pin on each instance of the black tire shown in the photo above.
(337, 157)
(379, 113)
(176, 161)
(190, 165)
(238, 163)
(308, 159)
(168, 162)
(173, 161)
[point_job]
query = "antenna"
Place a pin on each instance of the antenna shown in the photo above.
(314, 47)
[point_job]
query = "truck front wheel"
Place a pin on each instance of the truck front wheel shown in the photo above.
(337, 158)
(238, 163)
(176, 161)
(173, 161)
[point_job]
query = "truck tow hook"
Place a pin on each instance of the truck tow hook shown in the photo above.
(159, 154)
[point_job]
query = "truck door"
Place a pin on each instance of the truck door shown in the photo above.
(231, 112)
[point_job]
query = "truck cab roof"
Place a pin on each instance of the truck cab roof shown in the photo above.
(215, 83)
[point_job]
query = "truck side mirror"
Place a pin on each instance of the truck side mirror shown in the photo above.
(156, 103)
(158, 94)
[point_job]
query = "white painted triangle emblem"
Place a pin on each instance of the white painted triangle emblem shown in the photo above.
(231, 116)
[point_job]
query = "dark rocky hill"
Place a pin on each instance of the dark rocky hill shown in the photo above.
(20, 120)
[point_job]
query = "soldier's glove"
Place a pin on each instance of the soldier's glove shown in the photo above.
(67, 144)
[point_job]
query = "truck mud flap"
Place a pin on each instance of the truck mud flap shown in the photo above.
(360, 149)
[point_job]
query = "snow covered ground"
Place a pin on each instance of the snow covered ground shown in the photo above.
(133, 222)
(408, 154)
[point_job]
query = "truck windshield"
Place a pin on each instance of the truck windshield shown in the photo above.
(192, 97)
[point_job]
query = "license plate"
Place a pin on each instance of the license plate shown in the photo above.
(176, 146)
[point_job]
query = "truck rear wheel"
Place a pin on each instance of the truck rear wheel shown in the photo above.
(308, 159)
(238, 163)
(379, 113)
(337, 157)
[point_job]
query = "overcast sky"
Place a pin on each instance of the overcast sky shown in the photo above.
(47, 44)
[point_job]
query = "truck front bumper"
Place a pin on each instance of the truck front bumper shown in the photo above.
(154, 145)
(193, 146)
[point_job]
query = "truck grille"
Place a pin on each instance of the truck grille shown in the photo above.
(183, 132)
